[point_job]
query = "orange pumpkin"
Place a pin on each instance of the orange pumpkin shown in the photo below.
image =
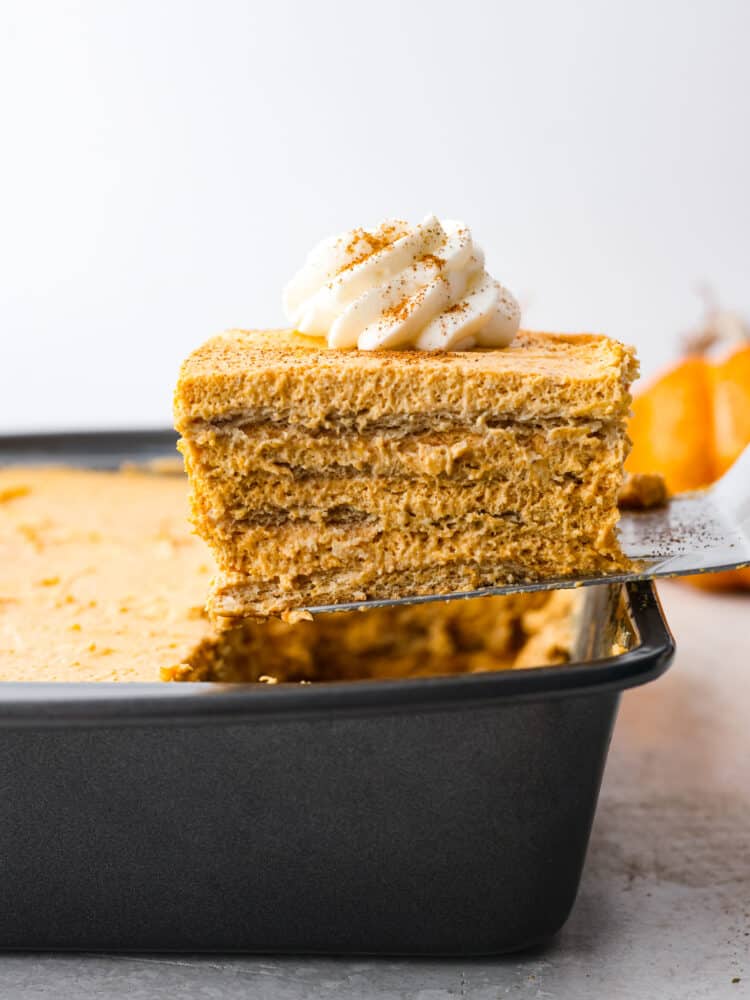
(690, 425)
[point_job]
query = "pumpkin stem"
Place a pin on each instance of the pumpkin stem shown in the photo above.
(720, 326)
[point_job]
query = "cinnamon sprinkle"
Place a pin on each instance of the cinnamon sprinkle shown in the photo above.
(402, 310)
(459, 307)
(371, 243)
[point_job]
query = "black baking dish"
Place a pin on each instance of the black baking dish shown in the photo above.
(436, 816)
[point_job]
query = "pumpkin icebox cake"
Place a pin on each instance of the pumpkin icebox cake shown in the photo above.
(402, 438)
(330, 465)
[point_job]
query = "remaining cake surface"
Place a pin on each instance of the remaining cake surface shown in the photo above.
(100, 576)
(323, 476)
(101, 579)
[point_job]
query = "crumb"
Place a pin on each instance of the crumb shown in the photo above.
(296, 615)
(13, 493)
(642, 491)
(177, 672)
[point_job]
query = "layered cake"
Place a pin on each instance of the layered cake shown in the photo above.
(404, 439)
(101, 579)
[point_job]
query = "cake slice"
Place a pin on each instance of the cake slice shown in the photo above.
(323, 476)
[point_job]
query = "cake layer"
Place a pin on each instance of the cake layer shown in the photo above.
(284, 376)
(224, 511)
(296, 549)
(539, 452)
(236, 597)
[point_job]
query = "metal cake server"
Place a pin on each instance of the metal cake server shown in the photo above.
(700, 532)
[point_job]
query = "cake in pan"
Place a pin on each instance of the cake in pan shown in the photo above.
(101, 579)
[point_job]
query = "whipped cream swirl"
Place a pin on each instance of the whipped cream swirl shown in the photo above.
(402, 286)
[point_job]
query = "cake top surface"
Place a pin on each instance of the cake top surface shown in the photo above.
(578, 355)
(101, 578)
(538, 375)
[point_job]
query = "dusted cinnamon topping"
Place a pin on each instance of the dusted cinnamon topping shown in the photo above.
(362, 244)
(400, 311)
(401, 286)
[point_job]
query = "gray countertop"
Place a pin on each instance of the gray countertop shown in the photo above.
(664, 906)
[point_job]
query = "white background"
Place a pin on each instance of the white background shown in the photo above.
(165, 167)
